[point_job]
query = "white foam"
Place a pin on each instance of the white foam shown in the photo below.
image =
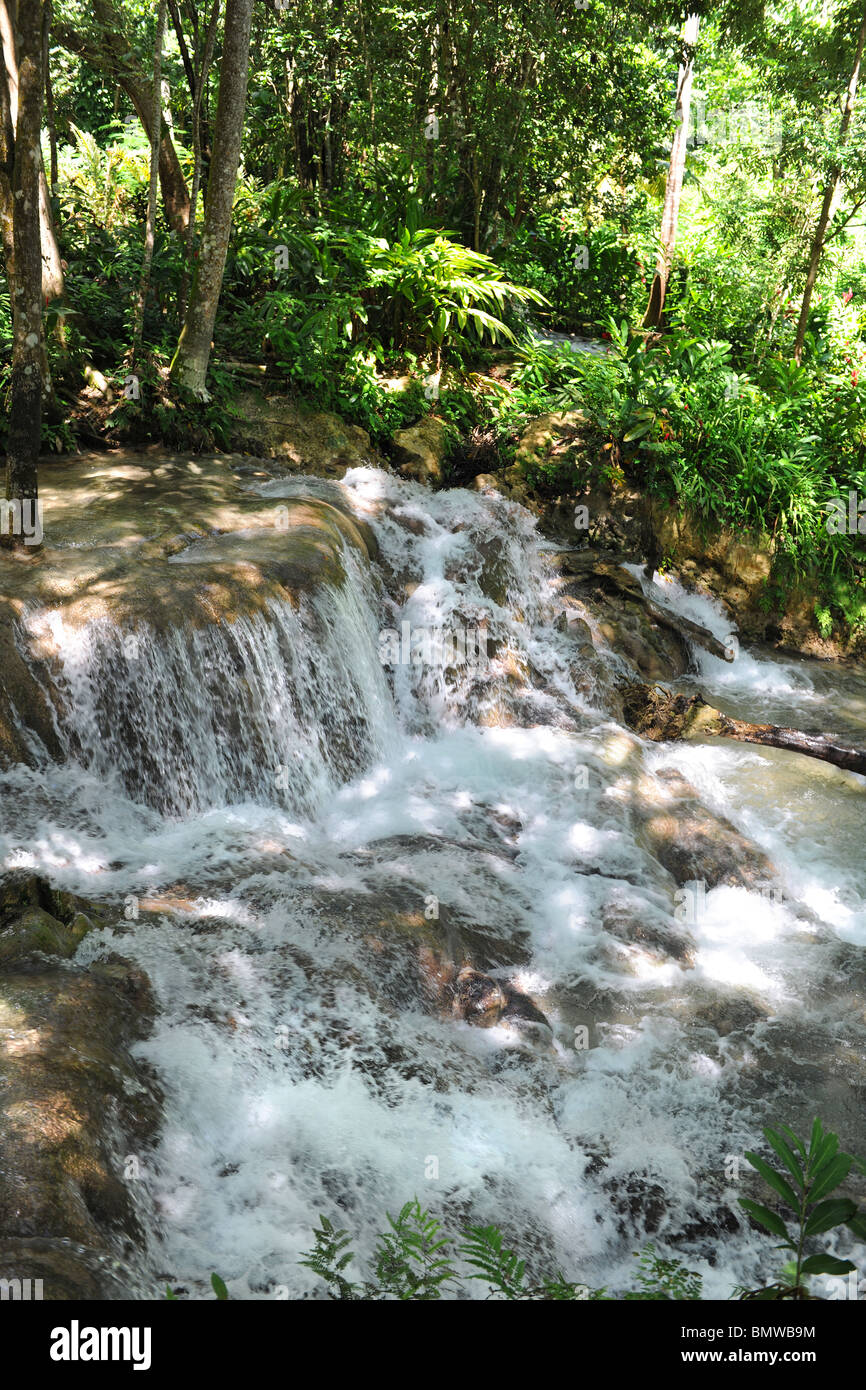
(300, 1075)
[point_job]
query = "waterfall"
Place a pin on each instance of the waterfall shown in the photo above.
(278, 708)
(320, 809)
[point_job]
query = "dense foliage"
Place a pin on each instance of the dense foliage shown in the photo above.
(423, 184)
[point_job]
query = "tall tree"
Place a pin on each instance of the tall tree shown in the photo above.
(831, 192)
(52, 270)
(20, 169)
(189, 367)
(199, 84)
(150, 223)
(676, 173)
(107, 49)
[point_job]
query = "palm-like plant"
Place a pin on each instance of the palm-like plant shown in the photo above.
(441, 291)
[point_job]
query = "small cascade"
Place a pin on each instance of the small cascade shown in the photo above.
(278, 708)
(320, 811)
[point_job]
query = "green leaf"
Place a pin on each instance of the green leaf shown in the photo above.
(825, 1152)
(830, 1177)
(857, 1224)
(769, 1219)
(826, 1215)
(826, 1264)
(786, 1155)
(775, 1180)
(219, 1287)
(798, 1143)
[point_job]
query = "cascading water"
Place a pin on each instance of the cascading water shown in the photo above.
(190, 719)
(324, 830)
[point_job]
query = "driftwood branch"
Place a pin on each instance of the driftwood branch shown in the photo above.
(663, 716)
(620, 579)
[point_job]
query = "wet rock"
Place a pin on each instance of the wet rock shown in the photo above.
(69, 1271)
(37, 920)
(732, 565)
(727, 1014)
(657, 938)
(25, 710)
(419, 452)
(639, 1202)
(479, 999)
(70, 1093)
(37, 933)
(656, 652)
(520, 1012)
(691, 841)
(316, 442)
(476, 998)
(493, 577)
(570, 622)
(69, 1086)
(160, 544)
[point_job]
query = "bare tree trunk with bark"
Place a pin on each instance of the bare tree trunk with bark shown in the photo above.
(663, 716)
(200, 85)
(189, 368)
(22, 143)
(150, 224)
(52, 270)
(828, 201)
(676, 172)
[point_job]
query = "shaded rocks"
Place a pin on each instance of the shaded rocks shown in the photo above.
(76, 1110)
(691, 841)
(38, 921)
(472, 996)
(67, 1270)
(734, 566)
(549, 437)
(420, 451)
(316, 442)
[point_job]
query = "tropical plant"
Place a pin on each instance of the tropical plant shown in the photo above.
(810, 1175)
(433, 289)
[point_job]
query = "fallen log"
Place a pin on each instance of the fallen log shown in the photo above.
(663, 716)
(691, 631)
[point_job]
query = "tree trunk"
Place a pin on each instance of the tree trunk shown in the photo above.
(49, 116)
(828, 200)
(662, 716)
(25, 414)
(189, 368)
(200, 86)
(111, 54)
(182, 45)
(175, 197)
(52, 271)
(676, 171)
(150, 223)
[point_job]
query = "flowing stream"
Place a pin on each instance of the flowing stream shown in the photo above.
(300, 838)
